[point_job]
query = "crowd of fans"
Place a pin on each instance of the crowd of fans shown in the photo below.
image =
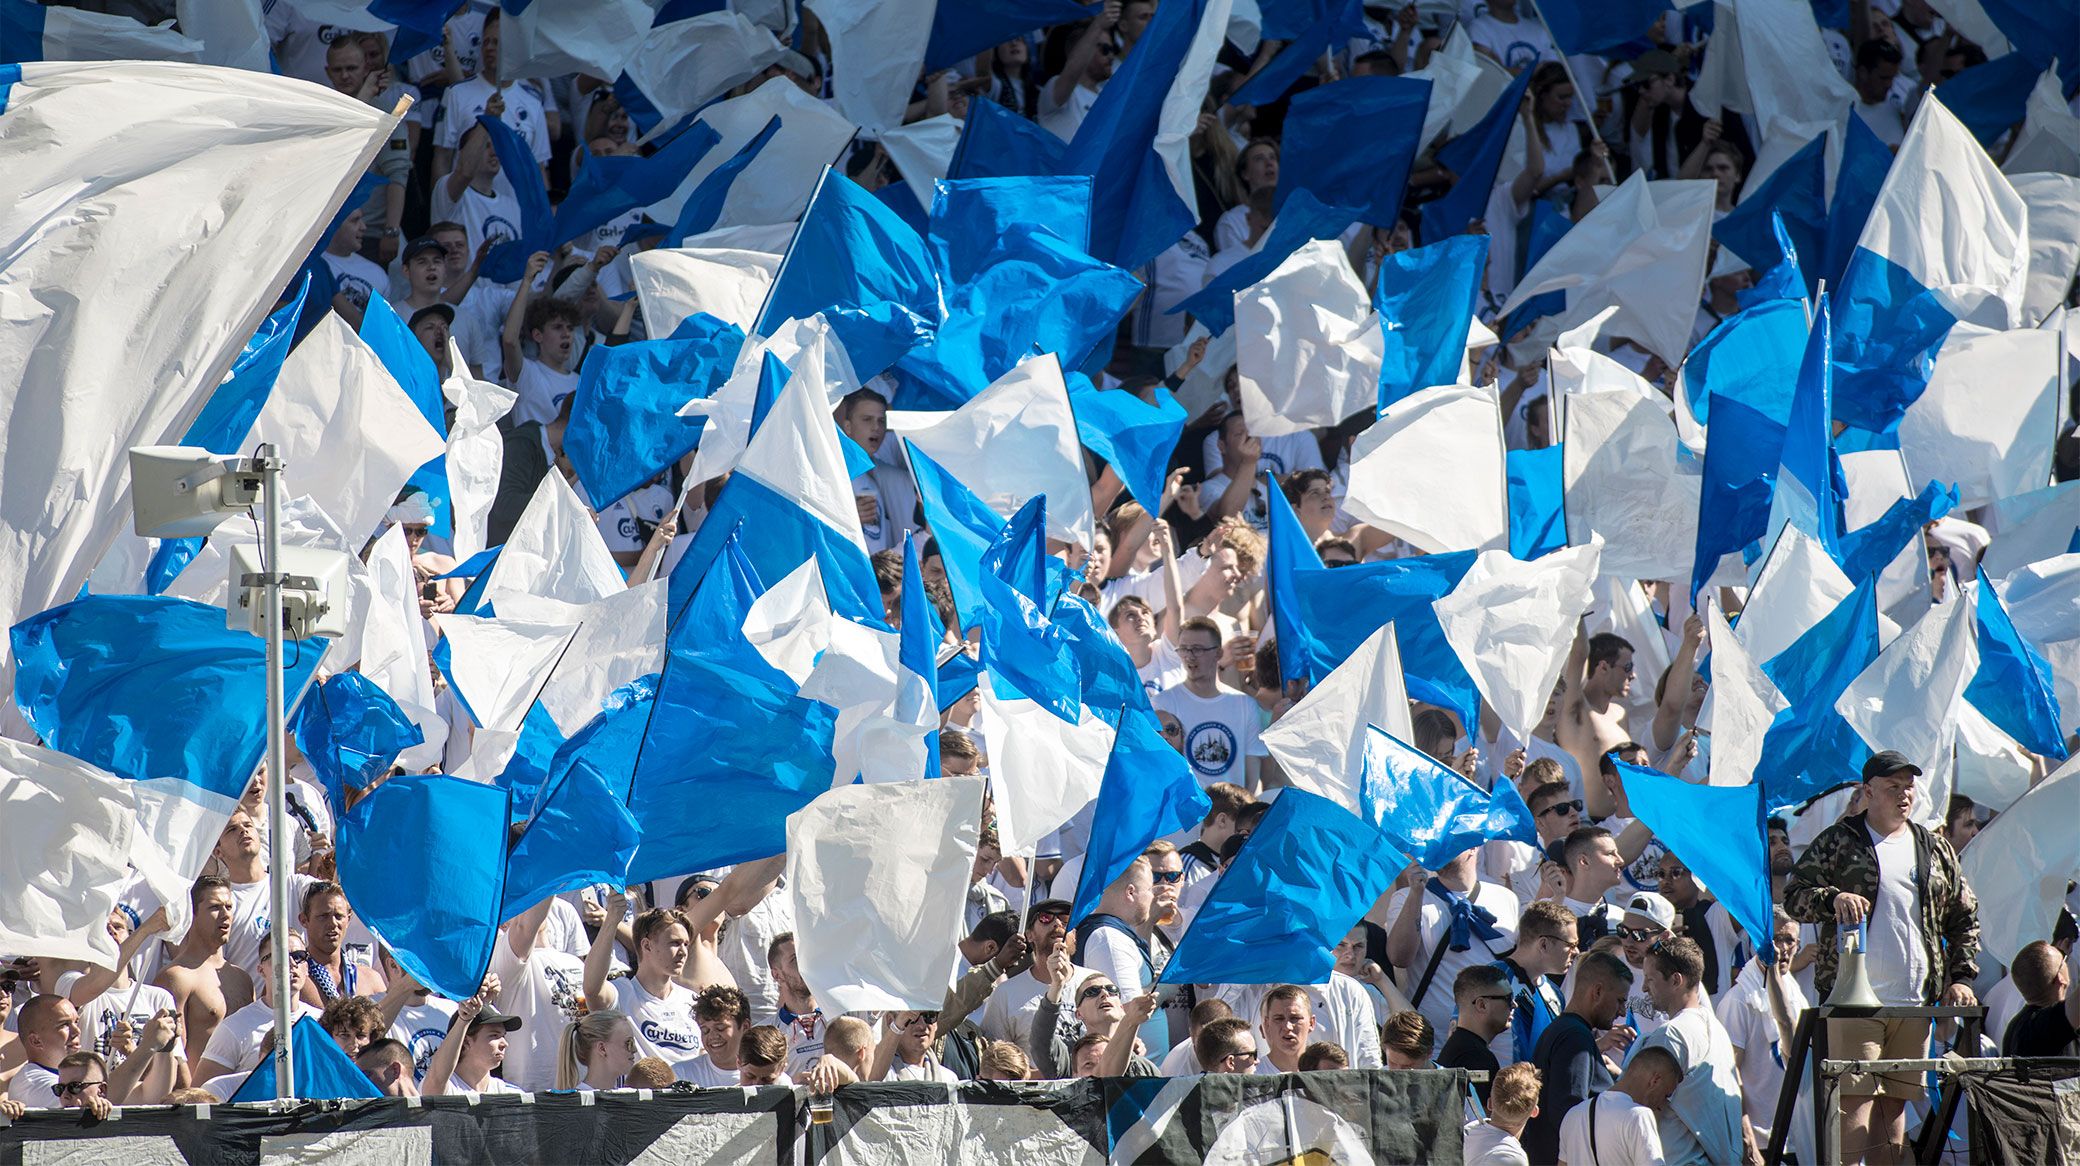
(1616, 1011)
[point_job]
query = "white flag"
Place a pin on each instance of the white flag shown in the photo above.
(549, 38)
(1907, 699)
(1744, 703)
(1318, 742)
(1622, 481)
(726, 283)
(65, 831)
(1307, 343)
(555, 551)
(877, 51)
(1511, 623)
(1042, 769)
(476, 453)
(2020, 863)
(776, 186)
(1989, 418)
(1430, 471)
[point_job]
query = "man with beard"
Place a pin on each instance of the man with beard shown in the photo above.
(1008, 1014)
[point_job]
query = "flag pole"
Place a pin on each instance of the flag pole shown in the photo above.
(281, 851)
(1581, 98)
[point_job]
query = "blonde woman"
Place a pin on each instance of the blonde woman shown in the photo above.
(597, 1051)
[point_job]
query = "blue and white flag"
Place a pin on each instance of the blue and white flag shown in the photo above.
(2013, 685)
(963, 527)
(963, 28)
(1133, 436)
(1303, 218)
(1810, 489)
(551, 38)
(625, 426)
(1747, 369)
(1476, 157)
(682, 65)
(1425, 297)
(582, 833)
(1792, 199)
(1537, 500)
(1309, 871)
(1148, 792)
(1809, 747)
(1287, 551)
(607, 187)
(1992, 96)
(1351, 144)
(709, 198)
(419, 831)
(1718, 832)
(1343, 606)
(1320, 741)
(1948, 240)
(406, 359)
(1021, 647)
(31, 32)
(351, 731)
(875, 56)
(864, 269)
(322, 1070)
(1432, 813)
(1866, 161)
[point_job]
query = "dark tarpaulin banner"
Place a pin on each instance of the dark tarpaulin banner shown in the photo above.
(2027, 1114)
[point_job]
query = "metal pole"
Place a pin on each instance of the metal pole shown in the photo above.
(281, 851)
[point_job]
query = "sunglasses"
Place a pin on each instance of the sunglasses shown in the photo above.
(1195, 649)
(1561, 808)
(703, 892)
(1097, 990)
(1049, 917)
(1637, 934)
(1168, 876)
(1173, 730)
(1247, 1056)
(77, 1088)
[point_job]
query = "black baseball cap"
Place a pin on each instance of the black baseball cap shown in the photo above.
(1060, 907)
(1888, 762)
(510, 1022)
(445, 311)
(422, 244)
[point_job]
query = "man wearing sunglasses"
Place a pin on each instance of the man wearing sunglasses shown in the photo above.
(235, 1046)
(1008, 1014)
(1226, 1046)
(83, 1084)
(1648, 920)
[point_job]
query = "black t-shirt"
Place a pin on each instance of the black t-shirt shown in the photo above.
(1464, 1049)
(2038, 1032)
(1570, 1069)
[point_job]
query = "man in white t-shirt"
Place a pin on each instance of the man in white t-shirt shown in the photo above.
(1008, 1013)
(1067, 97)
(1220, 723)
(518, 106)
(1618, 1124)
(1702, 1121)
(1155, 661)
(418, 1018)
(475, 196)
(299, 43)
(49, 1032)
(241, 849)
(1748, 1011)
(1877, 67)
(1457, 922)
(886, 500)
(541, 986)
(1506, 34)
(113, 1005)
(723, 1016)
(546, 380)
(355, 277)
(235, 1046)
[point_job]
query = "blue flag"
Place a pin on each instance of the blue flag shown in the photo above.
(1148, 792)
(1547, 227)
(999, 143)
(1509, 818)
(625, 427)
(2042, 32)
(1810, 487)
(1598, 26)
(1718, 832)
(1537, 501)
(1106, 675)
(1796, 193)
(152, 687)
(1871, 548)
(606, 188)
(963, 527)
(961, 31)
(1351, 144)
(1476, 157)
(410, 835)
(1023, 650)
(582, 833)
(1747, 369)
(351, 732)
(1809, 747)
(853, 260)
(1426, 297)
(1288, 552)
(507, 262)
(323, 1071)
(1431, 813)
(1340, 24)
(1343, 606)
(728, 730)
(1309, 871)
(1134, 437)
(1991, 97)
(2013, 685)
(917, 650)
(703, 208)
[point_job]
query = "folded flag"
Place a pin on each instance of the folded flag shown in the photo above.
(351, 731)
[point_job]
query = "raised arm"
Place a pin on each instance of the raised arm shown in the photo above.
(599, 994)
(1062, 84)
(440, 1068)
(509, 339)
(95, 979)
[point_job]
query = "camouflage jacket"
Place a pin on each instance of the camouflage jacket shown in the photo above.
(1842, 859)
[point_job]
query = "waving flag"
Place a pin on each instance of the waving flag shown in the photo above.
(705, 205)
(1289, 551)
(405, 359)
(624, 425)
(2013, 685)
(864, 269)
(876, 54)
(962, 525)
(419, 831)
(1303, 218)
(1537, 501)
(1432, 813)
(1426, 298)
(963, 28)
(351, 731)
(1448, 433)
(1021, 647)
(1307, 353)
(1148, 792)
(1866, 161)
(683, 64)
(1599, 26)
(549, 38)
(1350, 143)
(1792, 199)
(1309, 871)
(1512, 624)
(581, 833)
(1343, 606)
(607, 187)
(32, 32)
(1044, 767)
(1809, 747)
(1991, 96)
(507, 261)
(1717, 830)
(1748, 368)
(2024, 867)
(917, 657)
(1810, 488)
(65, 852)
(1135, 437)
(1320, 741)
(1340, 24)
(322, 1070)
(1476, 157)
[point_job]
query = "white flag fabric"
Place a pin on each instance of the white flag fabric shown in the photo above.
(1768, 60)
(683, 65)
(70, 34)
(1642, 251)
(498, 665)
(119, 312)
(620, 638)
(2020, 863)
(2033, 527)
(1319, 741)
(1622, 482)
(811, 352)
(348, 434)
(555, 551)
(1042, 769)
(65, 839)
(2054, 241)
(1454, 72)
(549, 38)
(795, 452)
(1511, 624)
(776, 186)
(394, 647)
(1797, 585)
(878, 876)
(1430, 471)
(1013, 440)
(2043, 601)
(1187, 94)
(1307, 343)
(923, 152)
(877, 51)
(1744, 702)
(2049, 141)
(1992, 769)
(727, 284)
(476, 454)
(233, 32)
(1989, 419)
(1907, 699)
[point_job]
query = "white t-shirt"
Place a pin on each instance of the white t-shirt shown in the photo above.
(35, 1087)
(299, 42)
(1488, 1145)
(1435, 928)
(249, 917)
(743, 950)
(1287, 453)
(237, 1040)
(1702, 1120)
(1897, 966)
(465, 30)
(542, 391)
(494, 216)
(421, 1027)
(1172, 277)
(1883, 119)
(1518, 46)
(461, 105)
(356, 277)
(805, 1037)
(493, 1084)
(664, 1025)
(628, 524)
(480, 321)
(930, 1070)
(1008, 1013)
(98, 1017)
(1219, 733)
(543, 992)
(704, 1072)
(1165, 669)
(1745, 1015)
(1062, 120)
(1626, 1133)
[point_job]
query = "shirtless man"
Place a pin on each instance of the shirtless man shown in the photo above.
(1592, 709)
(206, 988)
(704, 966)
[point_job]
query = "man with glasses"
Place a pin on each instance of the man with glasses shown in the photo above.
(1114, 940)
(1532, 973)
(1555, 813)
(1220, 723)
(1483, 996)
(1757, 1013)
(235, 1047)
(1226, 1046)
(1648, 920)
(83, 1084)
(1444, 924)
(1008, 1014)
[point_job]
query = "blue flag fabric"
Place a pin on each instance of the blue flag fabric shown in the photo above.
(351, 731)
(625, 427)
(1425, 297)
(1810, 747)
(1137, 213)
(1339, 24)
(1342, 606)
(1309, 871)
(1509, 818)
(2042, 32)
(917, 648)
(228, 417)
(152, 687)
(1865, 162)
(1718, 832)
(1350, 144)
(507, 262)
(1025, 653)
(1745, 370)
(1796, 192)
(1537, 497)
(1148, 791)
(606, 188)
(1475, 156)
(323, 1071)
(415, 832)
(582, 833)
(1134, 437)
(728, 730)
(2013, 686)
(1598, 26)
(960, 31)
(703, 208)
(1304, 218)
(1811, 482)
(1287, 553)
(419, 25)
(999, 143)
(962, 526)
(1869, 549)
(1106, 675)
(534, 755)
(1431, 813)
(1548, 226)
(1991, 97)
(865, 269)
(405, 359)
(970, 217)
